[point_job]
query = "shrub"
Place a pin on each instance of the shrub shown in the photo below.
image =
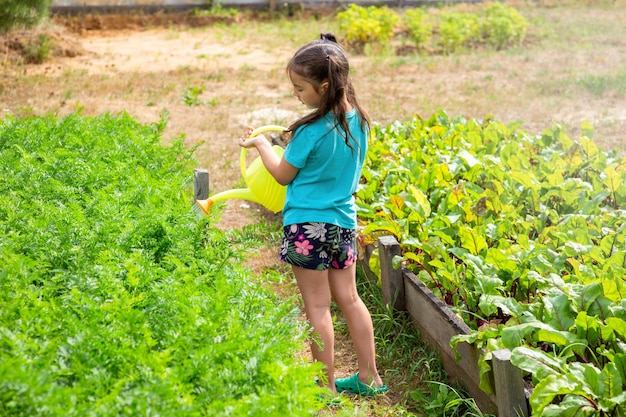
(14, 13)
(495, 26)
(458, 30)
(502, 26)
(363, 25)
(419, 26)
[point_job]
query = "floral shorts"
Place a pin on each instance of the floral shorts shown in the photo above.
(318, 246)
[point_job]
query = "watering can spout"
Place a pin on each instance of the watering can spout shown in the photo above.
(205, 205)
(238, 193)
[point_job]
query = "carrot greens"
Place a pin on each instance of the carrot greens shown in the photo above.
(116, 298)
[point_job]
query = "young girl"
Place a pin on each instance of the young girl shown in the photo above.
(321, 167)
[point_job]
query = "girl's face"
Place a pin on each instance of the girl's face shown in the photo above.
(305, 91)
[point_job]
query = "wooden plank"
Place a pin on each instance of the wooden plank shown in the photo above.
(200, 184)
(391, 279)
(437, 325)
(365, 253)
(509, 383)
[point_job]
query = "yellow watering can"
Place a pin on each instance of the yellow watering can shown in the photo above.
(262, 187)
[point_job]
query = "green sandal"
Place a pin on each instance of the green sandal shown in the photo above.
(353, 385)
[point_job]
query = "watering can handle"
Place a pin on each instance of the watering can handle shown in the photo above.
(256, 132)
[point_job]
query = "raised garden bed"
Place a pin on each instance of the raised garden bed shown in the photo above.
(437, 325)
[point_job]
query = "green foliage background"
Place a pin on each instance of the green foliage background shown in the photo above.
(116, 298)
(22, 12)
(450, 29)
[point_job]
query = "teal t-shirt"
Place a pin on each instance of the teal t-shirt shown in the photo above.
(329, 173)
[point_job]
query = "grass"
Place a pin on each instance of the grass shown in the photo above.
(599, 85)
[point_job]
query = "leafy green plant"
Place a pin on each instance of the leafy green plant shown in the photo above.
(365, 25)
(419, 26)
(523, 236)
(116, 298)
(443, 400)
(458, 30)
(496, 25)
(502, 26)
(191, 96)
(574, 388)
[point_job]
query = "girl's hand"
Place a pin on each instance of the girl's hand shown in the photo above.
(247, 142)
(282, 171)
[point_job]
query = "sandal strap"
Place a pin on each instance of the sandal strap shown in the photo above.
(354, 385)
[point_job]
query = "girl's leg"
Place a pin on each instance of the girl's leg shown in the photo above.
(344, 292)
(315, 292)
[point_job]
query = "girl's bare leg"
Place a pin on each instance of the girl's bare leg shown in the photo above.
(343, 289)
(315, 291)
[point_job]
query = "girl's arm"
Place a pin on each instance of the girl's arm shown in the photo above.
(282, 171)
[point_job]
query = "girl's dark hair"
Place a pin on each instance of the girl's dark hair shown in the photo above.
(324, 60)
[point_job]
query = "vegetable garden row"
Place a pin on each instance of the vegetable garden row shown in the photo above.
(523, 237)
(446, 30)
(117, 299)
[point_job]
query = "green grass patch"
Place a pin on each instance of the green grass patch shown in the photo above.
(599, 85)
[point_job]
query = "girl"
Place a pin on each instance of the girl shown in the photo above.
(321, 167)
